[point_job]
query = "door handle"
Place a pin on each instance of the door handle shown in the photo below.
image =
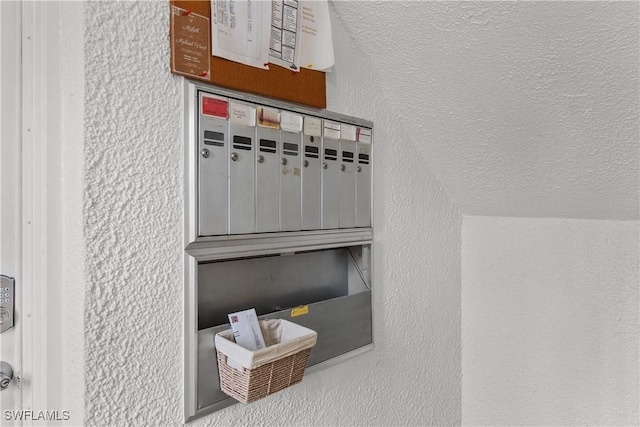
(6, 375)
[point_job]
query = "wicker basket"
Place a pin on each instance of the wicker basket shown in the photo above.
(249, 375)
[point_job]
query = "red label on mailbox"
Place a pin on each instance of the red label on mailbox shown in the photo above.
(215, 107)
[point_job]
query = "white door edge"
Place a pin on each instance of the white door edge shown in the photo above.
(10, 186)
(34, 217)
(52, 246)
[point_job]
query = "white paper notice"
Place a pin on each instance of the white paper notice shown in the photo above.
(290, 122)
(240, 31)
(331, 130)
(317, 43)
(246, 329)
(364, 135)
(348, 132)
(268, 117)
(284, 46)
(241, 114)
(313, 126)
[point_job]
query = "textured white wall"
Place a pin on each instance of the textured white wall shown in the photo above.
(133, 234)
(550, 322)
(134, 196)
(132, 216)
(523, 108)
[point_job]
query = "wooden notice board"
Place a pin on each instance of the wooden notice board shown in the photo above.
(307, 87)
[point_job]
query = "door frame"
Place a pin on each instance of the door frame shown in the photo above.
(11, 183)
(50, 286)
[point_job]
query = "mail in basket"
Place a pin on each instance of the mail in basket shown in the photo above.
(249, 375)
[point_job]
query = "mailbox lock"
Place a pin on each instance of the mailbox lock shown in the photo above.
(342, 167)
(260, 158)
(305, 163)
(284, 162)
(325, 165)
(234, 156)
(359, 169)
(311, 138)
(205, 153)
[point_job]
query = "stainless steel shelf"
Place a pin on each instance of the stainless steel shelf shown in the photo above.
(246, 245)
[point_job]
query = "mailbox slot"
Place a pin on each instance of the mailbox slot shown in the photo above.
(267, 180)
(290, 181)
(347, 188)
(363, 185)
(330, 175)
(213, 167)
(312, 175)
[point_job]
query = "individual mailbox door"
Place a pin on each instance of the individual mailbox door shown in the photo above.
(311, 173)
(291, 174)
(363, 179)
(347, 187)
(242, 118)
(330, 175)
(213, 130)
(267, 170)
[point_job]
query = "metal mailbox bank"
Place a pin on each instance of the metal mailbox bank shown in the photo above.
(277, 217)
